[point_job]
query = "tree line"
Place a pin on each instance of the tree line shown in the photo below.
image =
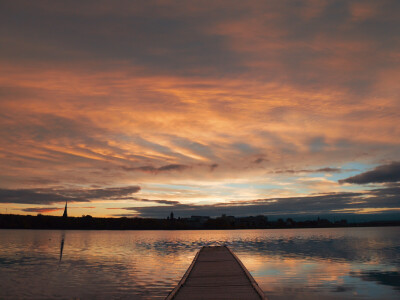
(11, 221)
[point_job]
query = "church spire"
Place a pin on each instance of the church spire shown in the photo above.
(65, 210)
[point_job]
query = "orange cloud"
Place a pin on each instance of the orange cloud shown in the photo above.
(222, 84)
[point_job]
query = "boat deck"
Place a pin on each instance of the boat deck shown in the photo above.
(216, 273)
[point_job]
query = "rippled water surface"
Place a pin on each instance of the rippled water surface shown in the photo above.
(341, 263)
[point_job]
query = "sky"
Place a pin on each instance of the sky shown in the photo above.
(140, 108)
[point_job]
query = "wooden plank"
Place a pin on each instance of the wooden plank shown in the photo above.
(252, 280)
(182, 281)
(216, 273)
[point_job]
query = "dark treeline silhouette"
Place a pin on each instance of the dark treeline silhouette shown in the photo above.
(9, 221)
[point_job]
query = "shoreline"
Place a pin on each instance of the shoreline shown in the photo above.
(42, 222)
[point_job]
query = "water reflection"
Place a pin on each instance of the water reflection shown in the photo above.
(361, 263)
(391, 278)
(62, 245)
(313, 244)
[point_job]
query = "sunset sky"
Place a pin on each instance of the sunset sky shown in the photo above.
(140, 108)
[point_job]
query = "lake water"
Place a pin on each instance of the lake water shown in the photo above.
(339, 263)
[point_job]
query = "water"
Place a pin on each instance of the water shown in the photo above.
(340, 263)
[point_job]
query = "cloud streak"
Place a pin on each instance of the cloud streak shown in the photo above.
(236, 99)
(42, 209)
(381, 174)
(331, 203)
(154, 170)
(320, 170)
(49, 196)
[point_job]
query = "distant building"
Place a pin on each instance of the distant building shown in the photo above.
(197, 221)
(227, 218)
(65, 210)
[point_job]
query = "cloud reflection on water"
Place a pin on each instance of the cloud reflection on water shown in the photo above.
(391, 278)
(306, 263)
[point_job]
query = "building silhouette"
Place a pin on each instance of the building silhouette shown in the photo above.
(65, 210)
